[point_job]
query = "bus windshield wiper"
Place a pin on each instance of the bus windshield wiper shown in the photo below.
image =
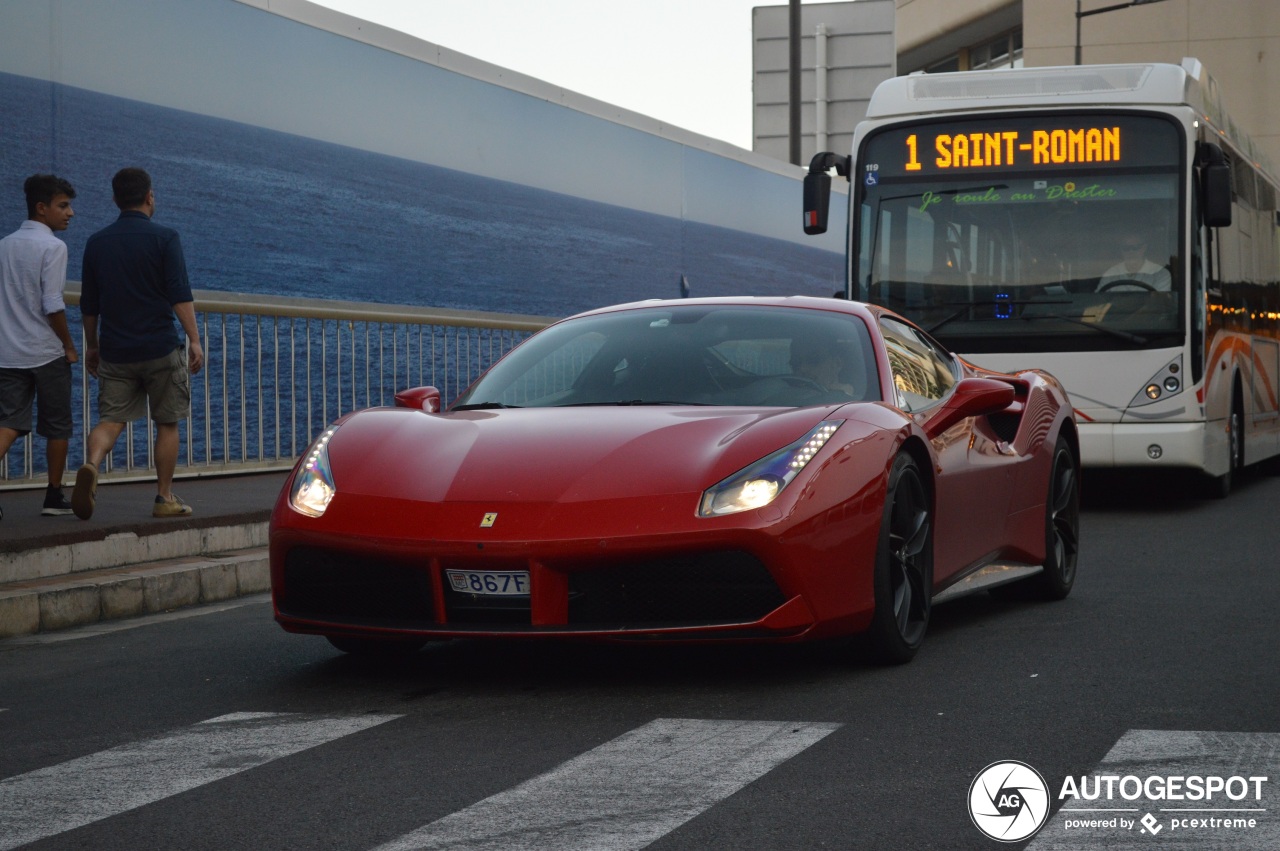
(1101, 329)
(483, 406)
(965, 305)
(627, 403)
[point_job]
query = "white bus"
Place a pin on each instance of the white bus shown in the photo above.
(1107, 223)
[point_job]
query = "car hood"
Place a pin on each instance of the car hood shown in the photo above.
(555, 455)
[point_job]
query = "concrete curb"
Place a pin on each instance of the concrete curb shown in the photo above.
(54, 603)
(125, 548)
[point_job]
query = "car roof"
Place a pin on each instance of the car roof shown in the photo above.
(832, 305)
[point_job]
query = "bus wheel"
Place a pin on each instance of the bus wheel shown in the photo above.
(1220, 486)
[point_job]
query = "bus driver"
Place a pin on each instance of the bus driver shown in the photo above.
(1134, 266)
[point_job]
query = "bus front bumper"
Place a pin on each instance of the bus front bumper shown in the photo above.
(1197, 446)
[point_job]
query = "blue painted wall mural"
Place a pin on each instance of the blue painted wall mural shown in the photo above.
(552, 211)
(309, 155)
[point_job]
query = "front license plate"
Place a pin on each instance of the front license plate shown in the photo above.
(490, 583)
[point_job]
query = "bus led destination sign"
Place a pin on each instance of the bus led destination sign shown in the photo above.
(1008, 148)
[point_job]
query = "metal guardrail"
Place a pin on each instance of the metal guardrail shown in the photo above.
(278, 371)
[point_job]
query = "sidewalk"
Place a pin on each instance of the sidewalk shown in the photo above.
(57, 572)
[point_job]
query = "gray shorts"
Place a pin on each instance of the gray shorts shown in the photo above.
(124, 389)
(51, 386)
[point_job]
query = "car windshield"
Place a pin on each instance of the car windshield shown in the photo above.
(687, 355)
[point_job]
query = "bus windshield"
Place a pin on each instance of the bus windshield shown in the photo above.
(1053, 232)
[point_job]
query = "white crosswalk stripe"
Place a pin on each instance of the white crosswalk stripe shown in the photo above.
(624, 794)
(52, 800)
(1243, 816)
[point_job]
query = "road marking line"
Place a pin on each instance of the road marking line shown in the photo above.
(624, 794)
(52, 800)
(1175, 753)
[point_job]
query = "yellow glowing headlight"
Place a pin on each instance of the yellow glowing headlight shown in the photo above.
(313, 488)
(758, 485)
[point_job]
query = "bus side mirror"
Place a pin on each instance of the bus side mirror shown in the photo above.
(817, 189)
(817, 202)
(1215, 175)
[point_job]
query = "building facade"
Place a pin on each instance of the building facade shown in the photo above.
(1237, 40)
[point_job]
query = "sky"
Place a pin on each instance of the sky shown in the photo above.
(684, 62)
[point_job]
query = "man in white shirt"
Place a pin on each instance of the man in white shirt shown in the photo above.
(1134, 266)
(36, 351)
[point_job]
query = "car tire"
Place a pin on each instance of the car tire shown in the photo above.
(1062, 525)
(1061, 533)
(376, 648)
(903, 578)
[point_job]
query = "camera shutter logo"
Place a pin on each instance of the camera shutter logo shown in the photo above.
(1008, 801)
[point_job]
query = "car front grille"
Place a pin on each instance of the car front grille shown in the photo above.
(721, 587)
(703, 588)
(334, 586)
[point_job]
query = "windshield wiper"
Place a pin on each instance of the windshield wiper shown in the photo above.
(627, 403)
(965, 305)
(1101, 329)
(483, 406)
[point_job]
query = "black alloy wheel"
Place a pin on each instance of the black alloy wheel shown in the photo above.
(904, 566)
(1062, 525)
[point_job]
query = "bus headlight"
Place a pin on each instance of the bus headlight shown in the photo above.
(1165, 383)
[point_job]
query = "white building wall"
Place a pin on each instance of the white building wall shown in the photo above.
(859, 52)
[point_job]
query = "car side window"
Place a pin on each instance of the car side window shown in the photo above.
(922, 371)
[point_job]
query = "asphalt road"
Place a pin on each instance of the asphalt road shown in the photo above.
(107, 742)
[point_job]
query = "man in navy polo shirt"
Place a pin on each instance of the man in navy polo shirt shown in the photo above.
(134, 282)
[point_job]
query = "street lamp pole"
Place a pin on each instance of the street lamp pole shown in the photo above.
(793, 80)
(1080, 14)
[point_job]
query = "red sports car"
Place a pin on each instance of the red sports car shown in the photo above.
(701, 469)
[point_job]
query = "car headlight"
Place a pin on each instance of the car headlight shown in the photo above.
(759, 484)
(314, 488)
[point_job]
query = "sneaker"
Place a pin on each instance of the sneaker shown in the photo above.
(85, 490)
(55, 503)
(171, 507)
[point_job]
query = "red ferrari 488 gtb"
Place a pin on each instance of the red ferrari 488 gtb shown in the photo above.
(702, 469)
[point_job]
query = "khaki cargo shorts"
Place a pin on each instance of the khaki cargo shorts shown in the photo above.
(124, 389)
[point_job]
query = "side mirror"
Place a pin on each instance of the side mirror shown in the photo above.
(420, 399)
(971, 397)
(1215, 175)
(817, 202)
(817, 189)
